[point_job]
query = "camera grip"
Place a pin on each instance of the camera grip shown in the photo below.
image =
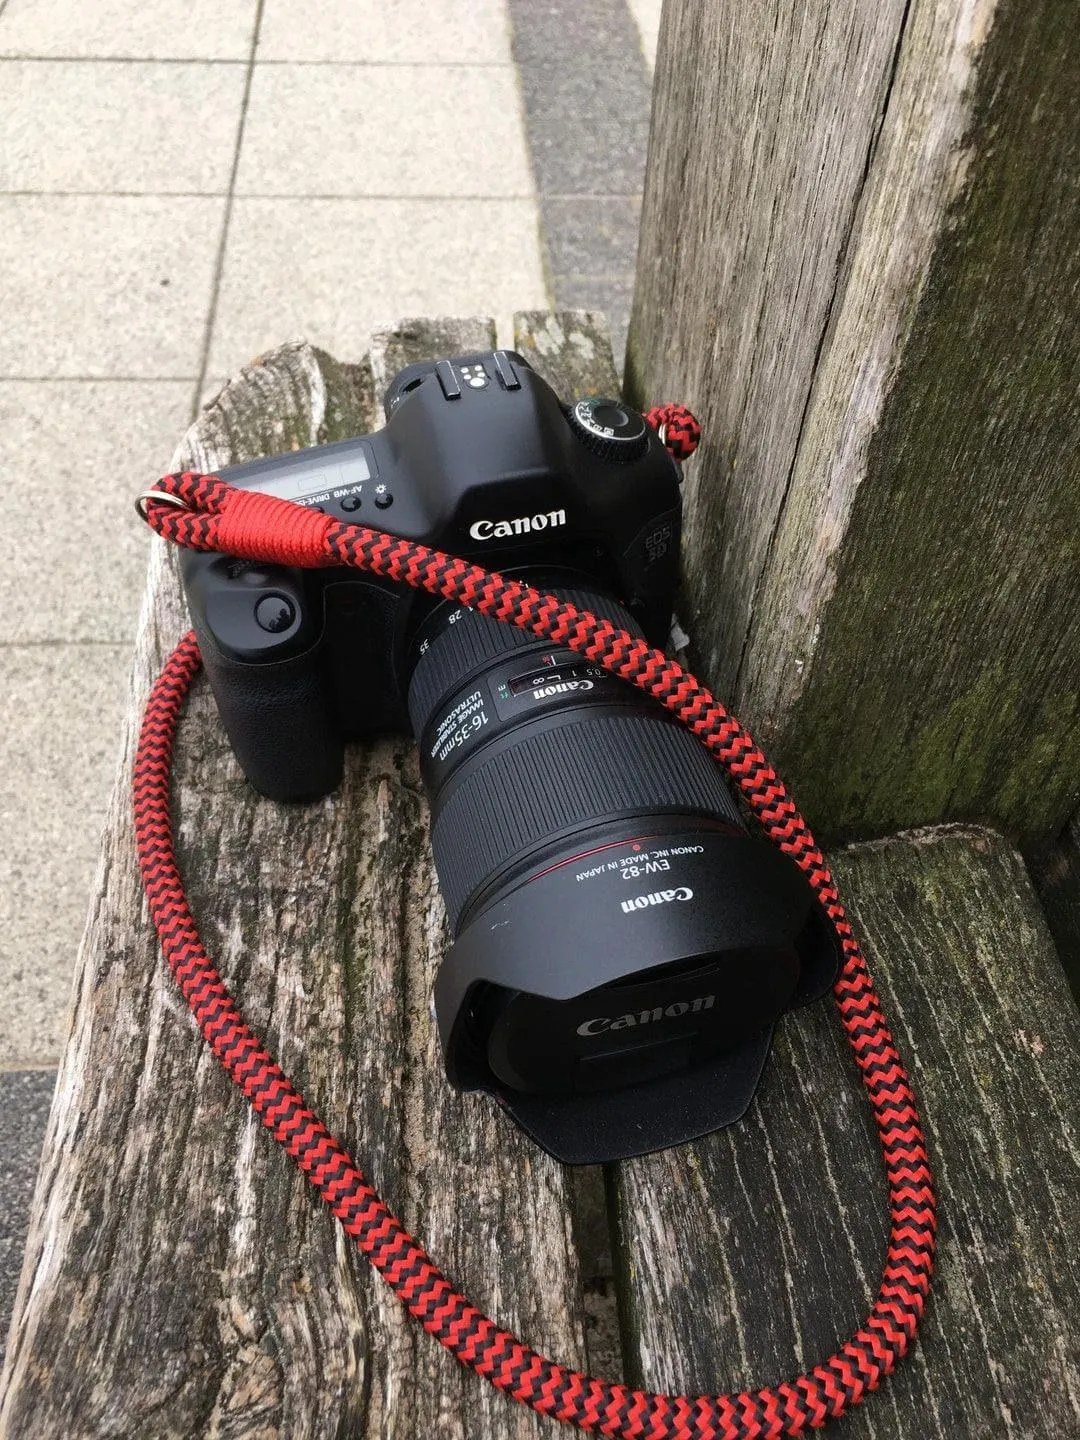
(278, 722)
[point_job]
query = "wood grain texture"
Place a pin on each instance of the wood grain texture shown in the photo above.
(940, 455)
(764, 117)
(748, 1256)
(180, 1278)
(910, 542)
(918, 170)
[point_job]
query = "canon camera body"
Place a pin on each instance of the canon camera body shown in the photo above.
(622, 946)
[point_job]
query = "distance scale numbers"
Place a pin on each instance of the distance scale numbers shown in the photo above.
(550, 680)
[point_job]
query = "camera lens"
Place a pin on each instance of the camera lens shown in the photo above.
(622, 945)
(528, 751)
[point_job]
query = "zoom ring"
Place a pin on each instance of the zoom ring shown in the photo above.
(463, 648)
(589, 769)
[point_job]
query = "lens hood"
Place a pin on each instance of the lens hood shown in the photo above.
(623, 999)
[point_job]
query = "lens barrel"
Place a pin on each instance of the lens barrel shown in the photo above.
(527, 750)
(622, 946)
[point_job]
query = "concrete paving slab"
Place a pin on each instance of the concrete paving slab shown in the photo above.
(133, 127)
(334, 270)
(60, 713)
(101, 286)
(583, 73)
(475, 32)
(89, 447)
(158, 29)
(357, 130)
(586, 91)
(25, 1097)
(587, 235)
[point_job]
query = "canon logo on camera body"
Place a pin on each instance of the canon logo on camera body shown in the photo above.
(600, 1023)
(520, 525)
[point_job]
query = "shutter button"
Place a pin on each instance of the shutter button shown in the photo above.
(275, 613)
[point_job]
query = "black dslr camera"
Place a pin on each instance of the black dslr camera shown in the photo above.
(622, 946)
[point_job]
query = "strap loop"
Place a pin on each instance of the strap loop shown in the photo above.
(202, 512)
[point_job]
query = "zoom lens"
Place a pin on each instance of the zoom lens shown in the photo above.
(614, 922)
(529, 751)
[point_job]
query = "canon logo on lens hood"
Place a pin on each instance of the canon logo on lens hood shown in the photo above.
(521, 525)
(600, 1023)
(658, 897)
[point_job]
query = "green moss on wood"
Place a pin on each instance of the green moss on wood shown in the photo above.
(349, 399)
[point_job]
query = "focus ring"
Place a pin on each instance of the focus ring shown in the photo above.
(474, 640)
(587, 769)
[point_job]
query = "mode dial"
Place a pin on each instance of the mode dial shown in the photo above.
(610, 429)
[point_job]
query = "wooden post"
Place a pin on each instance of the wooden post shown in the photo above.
(859, 264)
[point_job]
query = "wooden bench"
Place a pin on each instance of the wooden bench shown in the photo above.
(180, 1278)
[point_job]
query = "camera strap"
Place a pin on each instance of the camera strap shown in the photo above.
(202, 512)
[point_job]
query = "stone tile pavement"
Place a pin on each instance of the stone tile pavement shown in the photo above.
(584, 60)
(182, 184)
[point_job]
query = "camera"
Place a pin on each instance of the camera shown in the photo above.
(623, 947)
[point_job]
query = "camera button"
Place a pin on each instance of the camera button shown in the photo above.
(474, 375)
(249, 572)
(275, 613)
(383, 497)
(448, 380)
(610, 429)
(350, 502)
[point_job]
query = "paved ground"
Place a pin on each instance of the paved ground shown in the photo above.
(182, 184)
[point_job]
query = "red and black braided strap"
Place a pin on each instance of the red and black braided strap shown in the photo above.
(251, 525)
(677, 428)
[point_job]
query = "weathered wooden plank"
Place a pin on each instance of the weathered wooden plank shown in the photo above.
(886, 521)
(747, 1257)
(180, 1279)
(763, 120)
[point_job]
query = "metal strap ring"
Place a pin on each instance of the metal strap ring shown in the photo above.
(163, 495)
